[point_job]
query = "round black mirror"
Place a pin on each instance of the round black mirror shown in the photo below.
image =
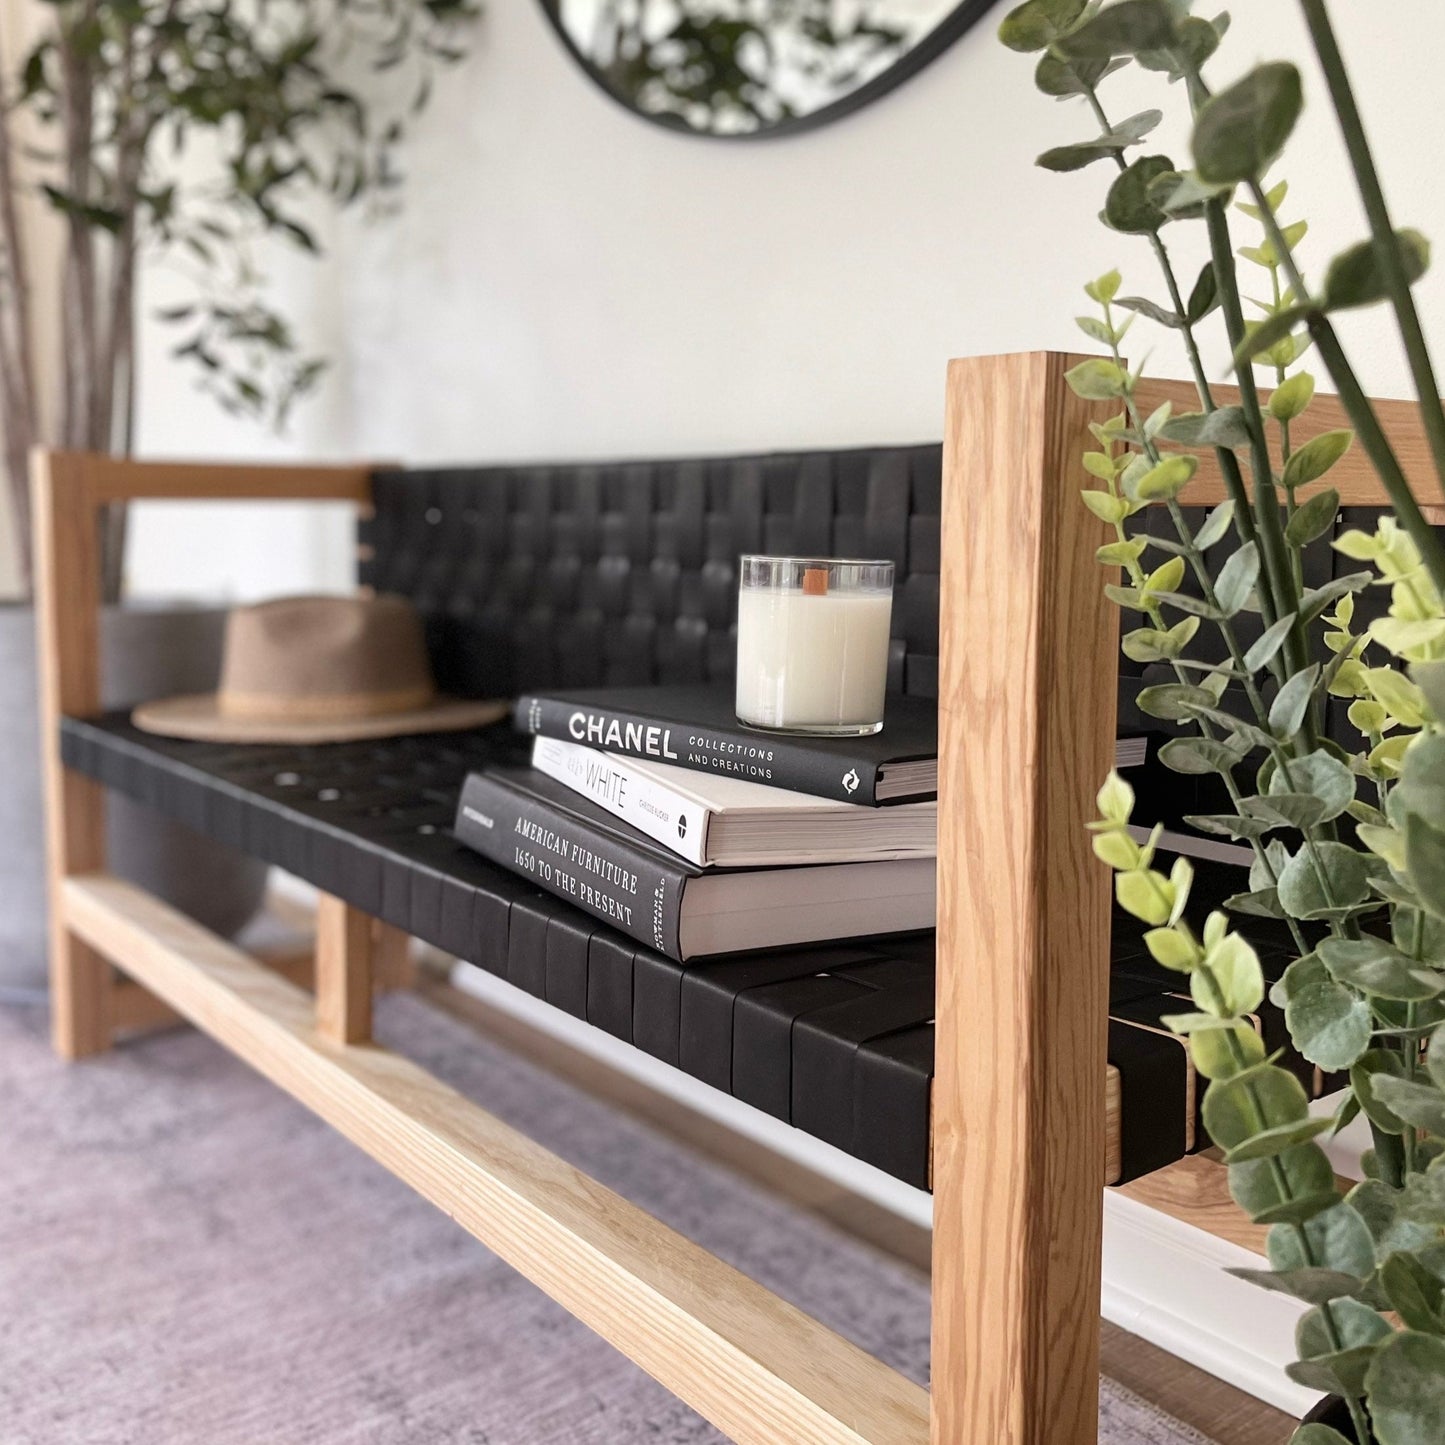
(742, 69)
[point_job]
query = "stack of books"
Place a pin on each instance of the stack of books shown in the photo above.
(655, 811)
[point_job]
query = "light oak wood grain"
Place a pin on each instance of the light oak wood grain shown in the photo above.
(344, 979)
(1026, 734)
(391, 960)
(67, 606)
(762, 1371)
(1195, 1189)
(1352, 476)
(116, 479)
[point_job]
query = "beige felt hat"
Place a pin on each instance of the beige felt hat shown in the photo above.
(319, 670)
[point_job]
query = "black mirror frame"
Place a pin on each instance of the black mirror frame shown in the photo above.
(962, 18)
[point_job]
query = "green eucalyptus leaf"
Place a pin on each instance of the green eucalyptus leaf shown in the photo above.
(1317, 599)
(1425, 862)
(1337, 1239)
(1124, 28)
(1421, 789)
(1216, 1057)
(1273, 1141)
(1227, 825)
(1314, 518)
(1060, 78)
(1205, 295)
(1183, 602)
(1290, 398)
(1237, 1109)
(1356, 278)
(1223, 427)
(1311, 461)
(1422, 1105)
(1309, 1282)
(1038, 23)
(1370, 1065)
(1186, 196)
(1104, 147)
(1096, 379)
(1329, 1024)
(1269, 642)
(1305, 1170)
(1286, 810)
(1260, 903)
(1235, 969)
(1096, 330)
(1287, 711)
(1164, 481)
(1317, 1434)
(1195, 40)
(1300, 975)
(1215, 525)
(1264, 335)
(1201, 755)
(1240, 131)
(1388, 1215)
(1376, 967)
(1301, 890)
(1337, 1367)
(1429, 677)
(1166, 700)
(1160, 315)
(1323, 776)
(1435, 1057)
(1405, 1387)
(1236, 579)
(1127, 206)
(1242, 733)
(1415, 1294)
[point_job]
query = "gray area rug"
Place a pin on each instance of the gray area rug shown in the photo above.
(187, 1257)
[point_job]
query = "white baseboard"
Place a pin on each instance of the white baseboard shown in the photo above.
(1163, 1280)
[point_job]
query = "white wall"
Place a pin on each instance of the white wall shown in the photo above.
(567, 281)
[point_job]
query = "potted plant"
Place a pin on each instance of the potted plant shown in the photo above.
(141, 131)
(1348, 839)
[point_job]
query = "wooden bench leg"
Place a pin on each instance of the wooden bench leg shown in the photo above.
(1023, 916)
(345, 959)
(391, 959)
(67, 597)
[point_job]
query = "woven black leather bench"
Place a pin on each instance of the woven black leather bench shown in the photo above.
(834, 1039)
(619, 574)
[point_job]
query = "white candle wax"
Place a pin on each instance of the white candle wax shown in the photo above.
(812, 661)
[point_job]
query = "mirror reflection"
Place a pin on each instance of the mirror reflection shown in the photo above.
(748, 67)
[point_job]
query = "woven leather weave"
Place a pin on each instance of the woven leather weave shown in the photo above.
(626, 573)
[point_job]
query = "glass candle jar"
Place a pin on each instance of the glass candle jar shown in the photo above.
(813, 644)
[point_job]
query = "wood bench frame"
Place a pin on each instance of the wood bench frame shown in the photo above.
(1028, 678)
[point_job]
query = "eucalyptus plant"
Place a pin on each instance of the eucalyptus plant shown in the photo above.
(188, 134)
(1348, 841)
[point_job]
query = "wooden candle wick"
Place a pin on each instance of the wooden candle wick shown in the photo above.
(815, 581)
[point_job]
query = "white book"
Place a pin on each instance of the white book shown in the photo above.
(717, 821)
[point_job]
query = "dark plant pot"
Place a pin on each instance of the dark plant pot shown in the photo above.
(1333, 1411)
(147, 651)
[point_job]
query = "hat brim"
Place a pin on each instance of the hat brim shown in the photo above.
(200, 718)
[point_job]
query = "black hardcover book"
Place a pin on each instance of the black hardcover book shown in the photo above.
(696, 727)
(543, 831)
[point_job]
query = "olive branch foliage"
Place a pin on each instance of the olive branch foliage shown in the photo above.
(1348, 843)
(191, 133)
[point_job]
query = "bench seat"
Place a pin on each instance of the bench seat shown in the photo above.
(835, 1039)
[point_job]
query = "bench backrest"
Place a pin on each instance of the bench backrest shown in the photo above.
(584, 575)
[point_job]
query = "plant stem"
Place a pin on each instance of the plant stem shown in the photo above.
(1357, 405)
(1228, 463)
(1273, 552)
(1387, 253)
